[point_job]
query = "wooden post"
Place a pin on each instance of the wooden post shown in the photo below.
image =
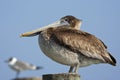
(63, 76)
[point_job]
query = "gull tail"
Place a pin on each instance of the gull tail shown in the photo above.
(38, 67)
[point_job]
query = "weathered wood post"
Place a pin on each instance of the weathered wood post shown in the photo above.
(63, 76)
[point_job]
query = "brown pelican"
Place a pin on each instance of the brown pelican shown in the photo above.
(64, 43)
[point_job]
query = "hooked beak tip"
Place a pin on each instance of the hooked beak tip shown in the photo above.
(22, 35)
(26, 34)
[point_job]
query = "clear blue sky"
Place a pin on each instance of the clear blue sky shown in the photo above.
(100, 17)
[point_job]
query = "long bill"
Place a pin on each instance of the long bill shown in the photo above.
(37, 31)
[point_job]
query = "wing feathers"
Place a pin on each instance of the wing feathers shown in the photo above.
(82, 42)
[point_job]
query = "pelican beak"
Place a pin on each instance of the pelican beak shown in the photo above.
(38, 31)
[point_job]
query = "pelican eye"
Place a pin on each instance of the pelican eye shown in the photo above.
(66, 19)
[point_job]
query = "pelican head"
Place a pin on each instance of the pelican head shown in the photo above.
(72, 21)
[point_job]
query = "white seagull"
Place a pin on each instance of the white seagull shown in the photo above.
(64, 43)
(19, 66)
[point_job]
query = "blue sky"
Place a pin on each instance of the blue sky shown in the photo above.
(100, 17)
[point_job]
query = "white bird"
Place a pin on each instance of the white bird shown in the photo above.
(64, 43)
(18, 65)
